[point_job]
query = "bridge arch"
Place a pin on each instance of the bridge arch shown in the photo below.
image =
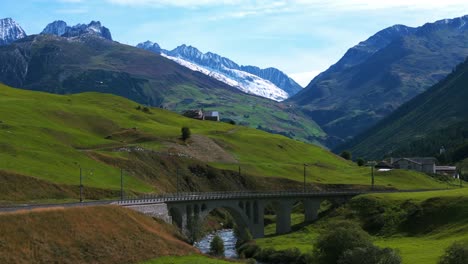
(247, 215)
(247, 209)
(239, 218)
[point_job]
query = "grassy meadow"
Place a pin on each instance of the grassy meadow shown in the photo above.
(49, 137)
(419, 225)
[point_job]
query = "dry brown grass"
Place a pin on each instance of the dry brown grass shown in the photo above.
(101, 234)
(204, 149)
(16, 188)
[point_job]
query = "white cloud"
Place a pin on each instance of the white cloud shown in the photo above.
(304, 78)
(342, 5)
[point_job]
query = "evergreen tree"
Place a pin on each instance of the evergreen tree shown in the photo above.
(185, 133)
(217, 246)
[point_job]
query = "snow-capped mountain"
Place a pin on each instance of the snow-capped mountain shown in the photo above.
(269, 83)
(10, 31)
(60, 28)
(244, 81)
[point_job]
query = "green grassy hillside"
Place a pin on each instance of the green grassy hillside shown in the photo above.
(45, 138)
(92, 64)
(378, 75)
(419, 225)
(423, 123)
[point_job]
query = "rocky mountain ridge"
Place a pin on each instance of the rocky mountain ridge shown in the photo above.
(269, 83)
(378, 75)
(61, 29)
(10, 31)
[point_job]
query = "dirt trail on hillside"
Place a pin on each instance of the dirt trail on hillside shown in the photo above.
(204, 149)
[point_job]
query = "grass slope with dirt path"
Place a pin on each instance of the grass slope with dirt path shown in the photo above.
(102, 234)
(419, 225)
(48, 137)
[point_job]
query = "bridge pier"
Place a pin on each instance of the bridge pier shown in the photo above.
(311, 208)
(257, 226)
(246, 209)
(283, 216)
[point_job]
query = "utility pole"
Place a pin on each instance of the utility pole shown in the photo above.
(81, 185)
(121, 185)
(305, 165)
(459, 174)
(84, 171)
(372, 164)
(177, 176)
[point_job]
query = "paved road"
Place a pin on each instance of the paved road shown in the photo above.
(27, 207)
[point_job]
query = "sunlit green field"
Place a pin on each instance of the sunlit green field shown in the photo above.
(50, 137)
(419, 248)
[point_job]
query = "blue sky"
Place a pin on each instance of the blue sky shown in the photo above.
(300, 37)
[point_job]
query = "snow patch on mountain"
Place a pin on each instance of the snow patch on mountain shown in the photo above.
(10, 31)
(246, 82)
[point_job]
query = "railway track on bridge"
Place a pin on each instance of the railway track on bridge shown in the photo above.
(202, 196)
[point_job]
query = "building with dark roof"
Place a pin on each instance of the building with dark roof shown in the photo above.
(211, 115)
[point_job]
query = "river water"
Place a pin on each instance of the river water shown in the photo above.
(229, 239)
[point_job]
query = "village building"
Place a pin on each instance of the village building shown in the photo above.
(211, 115)
(383, 166)
(196, 114)
(199, 114)
(426, 165)
(447, 170)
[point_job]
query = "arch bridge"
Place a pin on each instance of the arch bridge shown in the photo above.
(188, 210)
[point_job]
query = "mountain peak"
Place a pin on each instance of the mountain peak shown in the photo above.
(270, 83)
(57, 27)
(61, 29)
(149, 45)
(10, 31)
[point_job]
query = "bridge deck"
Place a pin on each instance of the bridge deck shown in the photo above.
(208, 196)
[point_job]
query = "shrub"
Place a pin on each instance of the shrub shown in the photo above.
(346, 155)
(248, 250)
(370, 255)
(291, 255)
(217, 246)
(360, 162)
(344, 242)
(337, 239)
(457, 253)
(185, 133)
